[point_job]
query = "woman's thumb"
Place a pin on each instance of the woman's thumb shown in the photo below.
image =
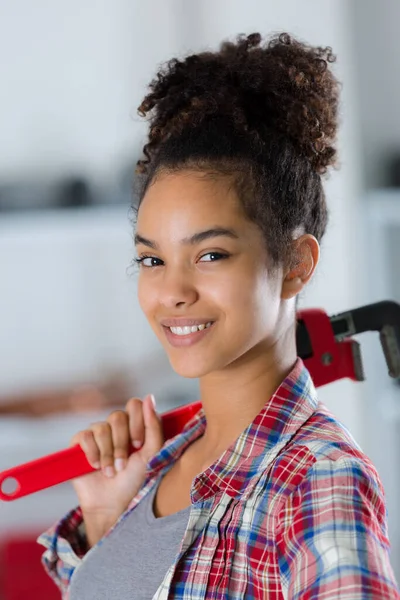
(153, 431)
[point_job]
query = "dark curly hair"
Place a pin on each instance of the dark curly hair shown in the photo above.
(262, 114)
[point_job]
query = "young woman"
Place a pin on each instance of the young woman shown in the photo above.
(265, 494)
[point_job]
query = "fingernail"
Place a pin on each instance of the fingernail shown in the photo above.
(153, 401)
(136, 443)
(119, 464)
(96, 465)
(109, 471)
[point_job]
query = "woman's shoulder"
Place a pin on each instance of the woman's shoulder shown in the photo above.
(326, 437)
(323, 452)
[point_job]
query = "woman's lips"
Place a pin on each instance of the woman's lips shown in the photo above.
(186, 340)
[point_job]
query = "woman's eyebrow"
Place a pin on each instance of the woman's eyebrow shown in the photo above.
(196, 238)
(142, 240)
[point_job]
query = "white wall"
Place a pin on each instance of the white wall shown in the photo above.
(72, 74)
(377, 50)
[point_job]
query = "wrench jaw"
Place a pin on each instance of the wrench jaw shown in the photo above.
(391, 350)
(359, 373)
(383, 317)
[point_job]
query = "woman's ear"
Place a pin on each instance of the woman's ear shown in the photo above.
(306, 253)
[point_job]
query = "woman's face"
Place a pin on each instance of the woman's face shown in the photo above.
(203, 281)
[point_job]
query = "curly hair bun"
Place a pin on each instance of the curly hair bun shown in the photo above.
(281, 85)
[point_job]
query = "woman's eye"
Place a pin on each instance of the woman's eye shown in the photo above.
(213, 256)
(149, 261)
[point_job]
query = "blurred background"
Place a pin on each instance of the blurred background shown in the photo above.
(73, 342)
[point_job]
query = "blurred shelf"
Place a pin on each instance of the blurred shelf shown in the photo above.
(75, 220)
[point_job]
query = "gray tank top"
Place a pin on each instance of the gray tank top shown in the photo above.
(132, 561)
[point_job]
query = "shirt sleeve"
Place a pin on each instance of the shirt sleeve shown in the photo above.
(66, 545)
(332, 537)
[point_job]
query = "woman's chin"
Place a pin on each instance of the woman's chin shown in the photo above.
(190, 369)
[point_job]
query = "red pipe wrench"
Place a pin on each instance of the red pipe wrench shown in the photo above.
(324, 343)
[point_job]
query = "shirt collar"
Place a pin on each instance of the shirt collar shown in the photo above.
(238, 468)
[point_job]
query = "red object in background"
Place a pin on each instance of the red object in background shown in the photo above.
(21, 572)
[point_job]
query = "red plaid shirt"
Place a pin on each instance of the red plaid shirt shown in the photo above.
(292, 510)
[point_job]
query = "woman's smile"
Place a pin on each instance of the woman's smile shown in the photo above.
(187, 335)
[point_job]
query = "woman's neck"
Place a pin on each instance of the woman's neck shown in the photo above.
(232, 398)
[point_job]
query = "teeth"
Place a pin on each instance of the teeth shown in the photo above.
(187, 329)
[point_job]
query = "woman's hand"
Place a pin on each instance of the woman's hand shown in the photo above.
(105, 494)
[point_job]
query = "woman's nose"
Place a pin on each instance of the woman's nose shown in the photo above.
(177, 288)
